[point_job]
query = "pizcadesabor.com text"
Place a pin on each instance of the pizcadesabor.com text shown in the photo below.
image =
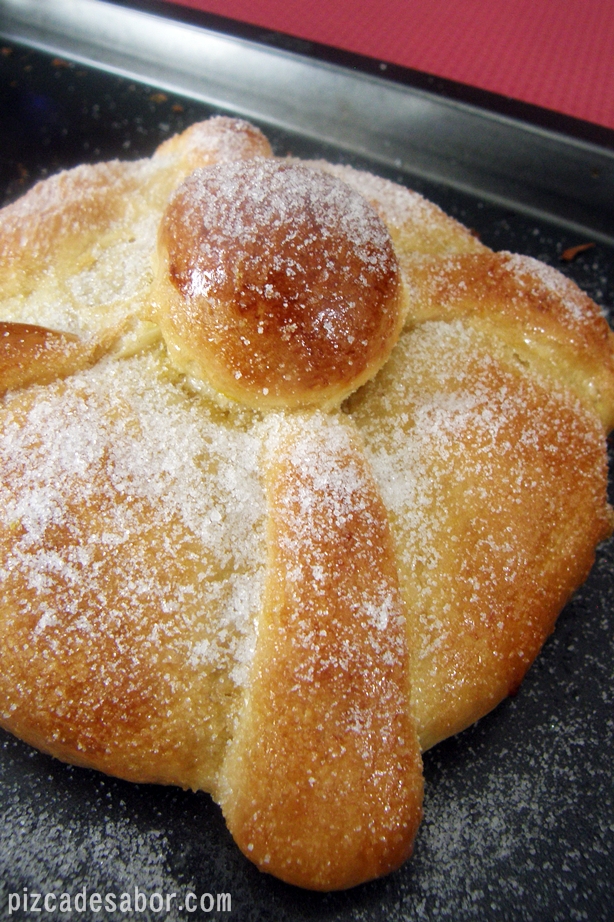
(92, 903)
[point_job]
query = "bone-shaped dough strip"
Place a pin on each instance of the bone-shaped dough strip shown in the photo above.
(322, 785)
(32, 354)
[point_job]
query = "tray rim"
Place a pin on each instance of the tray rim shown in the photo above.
(388, 115)
(516, 109)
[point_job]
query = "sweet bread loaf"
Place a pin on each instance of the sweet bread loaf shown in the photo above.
(296, 476)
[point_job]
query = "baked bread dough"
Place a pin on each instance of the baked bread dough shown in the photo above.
(303, 325)
(296, 476)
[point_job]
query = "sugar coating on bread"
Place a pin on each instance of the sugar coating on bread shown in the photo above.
(217, 140)
(124, 506)
(322, 784)
(276, 283)
(76, 250)
(538, 315)
(417, 227)
(295, 477)
(459, 436)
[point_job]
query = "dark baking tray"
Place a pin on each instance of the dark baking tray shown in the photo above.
(519, 810)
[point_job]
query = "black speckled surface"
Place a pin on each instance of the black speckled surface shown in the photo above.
(519, 810)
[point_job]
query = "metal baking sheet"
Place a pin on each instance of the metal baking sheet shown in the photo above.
(519, 809)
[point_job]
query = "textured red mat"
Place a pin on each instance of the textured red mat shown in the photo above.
(558, 54)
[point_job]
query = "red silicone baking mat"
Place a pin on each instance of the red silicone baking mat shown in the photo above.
(555, 55)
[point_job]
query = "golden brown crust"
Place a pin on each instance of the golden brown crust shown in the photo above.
(57, 222)
(495, 480)
(417, 227)
(149, 544)
(542, 317)
(122, 503)
(219, 139)
(31, 354)
(277, 284)
(76, 250)
(322, 785)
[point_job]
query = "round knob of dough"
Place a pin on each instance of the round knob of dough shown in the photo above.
(278, 284)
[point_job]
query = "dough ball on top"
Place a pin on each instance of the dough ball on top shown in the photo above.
(277, 284)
